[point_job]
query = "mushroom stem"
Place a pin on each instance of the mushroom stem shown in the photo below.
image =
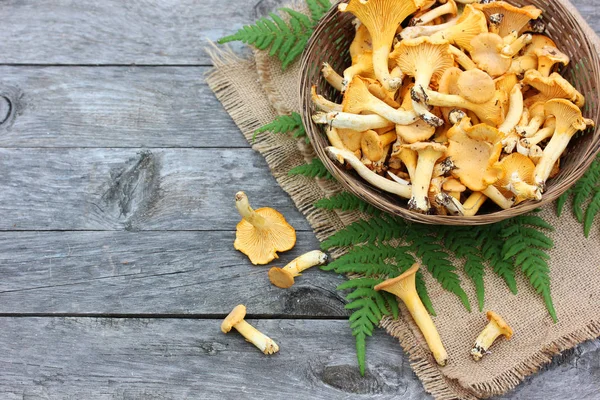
(371, 177)
(257, 338)
(354, 122)
(552, 153)
(380, 67)
(404, 288)
(515, 47)
(494, 194)
(515, 110)
(243, 207)
(462, 59)
(332, 77)
(413, 32)
(419, 200)
(334, 138)
(469, 208)
(305, 261)
(322, 103)
(448, 8)
(539, 137)
(495, 328)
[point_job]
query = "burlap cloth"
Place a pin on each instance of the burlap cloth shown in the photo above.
(255, 90)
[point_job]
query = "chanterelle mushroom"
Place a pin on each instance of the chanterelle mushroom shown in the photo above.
(382, 18)
(428, 154)
(569, 121)
(552, 87)
(470, 24)
(284, 277)
(235, 319)
(518, 177)
(372, 144)
(476, 86)
(487, 54)
(512, 18)
(404, 288)
(495, 328)
(261, 233)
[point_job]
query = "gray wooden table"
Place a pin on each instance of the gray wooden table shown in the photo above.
(117, 174)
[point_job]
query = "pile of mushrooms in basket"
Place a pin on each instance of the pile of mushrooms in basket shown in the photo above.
(450, 105)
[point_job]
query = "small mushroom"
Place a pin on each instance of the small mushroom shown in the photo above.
(476, 86)
(322, 103)
(512, 49)
(470, 24)
(404, 287)
(545, 133)
(261, 233)
(495, 328)
(518, 178)
(538, 116)
(487, 54)
(512, 18)
(428, 154)
(332, 77)
(371, 177)
(382, 18)
(407, 156)
(358, 99)
(468, 209)
(355, 122)
(235, 320)
(454, 187)
(552, 87)
(548, 57)
(569, 121)
(522, 64)
(284, 277)
(372, 144)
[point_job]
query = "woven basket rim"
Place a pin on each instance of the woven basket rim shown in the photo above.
(383, 201)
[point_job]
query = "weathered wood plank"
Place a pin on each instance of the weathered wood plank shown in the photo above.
(135, 31)
(118, 32)
(112, 107)
(93, 358)
(113, 189)
(152, 273)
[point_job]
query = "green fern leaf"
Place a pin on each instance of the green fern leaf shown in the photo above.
(316, 169)
(524, 246)
(422, 292)
(285, 124)
(584, 188)
(590, 214)
(491, 250)
(347, 202)
(561, 201)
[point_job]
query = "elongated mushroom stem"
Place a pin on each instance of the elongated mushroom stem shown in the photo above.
(322, 103)
(429, 16)
(284, 277)
(371, 177)
(235, 319)
(494, 194)
(539, 137)
(354, 122)
(515, 110)
(515, 47)
(462, 59)
(404, 288)
(537, 119)
(243, 206)
(332, 77)
(429, 153)
(495, 328)
(468, 209)
(413, 32)
(362, 65)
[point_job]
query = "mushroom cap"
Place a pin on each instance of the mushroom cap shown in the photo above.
(553, 87)
(551, 55)
(372, 145)
(475, 151)
(537, 42)
(350, 138)
(416, 132)
(281, 278)
(506, 82)
(568, 116)
(425, 146)
(502, 325)
(518, 167)
(423, 57)
(486, 52)
(357, 96)
(448, 84)
(235, 316)
(362, 42)
(515, 18)
(262, 244)
(476, 86)
(453, 185)
(471, 23)
(396, 283)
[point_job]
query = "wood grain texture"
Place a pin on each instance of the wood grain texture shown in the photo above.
(112, 107)
(89, 358)
(115, 189)
(118, 32)
(153, 273)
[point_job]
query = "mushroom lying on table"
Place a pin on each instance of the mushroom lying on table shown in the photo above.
(284, 277)
(235, 320)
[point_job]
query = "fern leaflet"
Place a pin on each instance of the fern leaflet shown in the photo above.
(284, 40)
(285, 124)
(591, 212)
(346, 202)
(315, 169)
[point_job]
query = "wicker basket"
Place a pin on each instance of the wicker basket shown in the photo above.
(330, 43)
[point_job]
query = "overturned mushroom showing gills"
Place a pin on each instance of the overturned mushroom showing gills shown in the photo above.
(518, 177)
(261, 233)
(495, 328)
(284, 277)
(382, 18)
(404, 288)
(235, 320)
(371, 177)
(569, 121)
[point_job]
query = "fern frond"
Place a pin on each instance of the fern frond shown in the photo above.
(316, 169)
(590, 213)
(347, 202)
(491, 250)
(561, 201)
(583, 190)
(376, 229)
(285, 124)
(284, 40)
(422, 292)
(524, 246)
